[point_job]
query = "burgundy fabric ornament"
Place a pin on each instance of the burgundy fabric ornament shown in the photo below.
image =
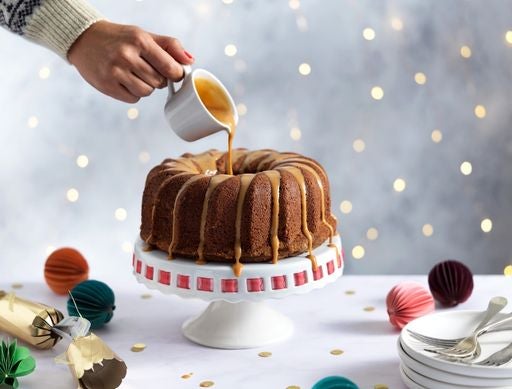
(451, 282)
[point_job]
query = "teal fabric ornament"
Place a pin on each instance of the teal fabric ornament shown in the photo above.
(94, 301)
(335, 382)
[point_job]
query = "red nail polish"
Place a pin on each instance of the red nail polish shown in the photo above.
(188, 54)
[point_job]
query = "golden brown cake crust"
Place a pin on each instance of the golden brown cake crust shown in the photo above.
(275, 205)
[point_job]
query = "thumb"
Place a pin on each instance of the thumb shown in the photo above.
(174, 48)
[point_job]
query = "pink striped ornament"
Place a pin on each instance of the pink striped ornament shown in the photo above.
(408, 301)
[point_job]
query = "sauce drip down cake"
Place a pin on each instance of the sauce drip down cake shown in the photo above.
(275, 205)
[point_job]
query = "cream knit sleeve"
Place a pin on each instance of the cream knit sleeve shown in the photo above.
(55, 24)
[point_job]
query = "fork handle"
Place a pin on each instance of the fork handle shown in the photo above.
(498, 323)
(496, 304)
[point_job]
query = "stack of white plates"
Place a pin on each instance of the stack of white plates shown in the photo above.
(421, 369)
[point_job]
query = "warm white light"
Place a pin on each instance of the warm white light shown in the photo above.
(227, 1)
(295, 133)
(294, 4)
(44, 72)
(72, 195)
(420, 78)
(508, 36)
(144, 157)
(486, 225)
(230, 50)
(82, 161)
(465, 52)
(369, 34)
(127, 247)
(508, 271)
(304, 69)
(302, 23)
(377, 93)
(241, 109)
(120, 214)
(480, 111)
(358, 145)
(346, 206)
(397, 24)
(427, 229)
(358, 252)
(437, 136)
(32, 122)
(466, 168)
(399, 185)
(132, 113)
(372, 233)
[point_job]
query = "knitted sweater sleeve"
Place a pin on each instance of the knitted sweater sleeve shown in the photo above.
(55, 24)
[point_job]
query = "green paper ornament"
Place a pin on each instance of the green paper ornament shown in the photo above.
(95, 302)
(335, 382)
(14, 362)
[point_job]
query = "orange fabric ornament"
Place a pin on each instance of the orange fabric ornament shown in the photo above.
(64, 269)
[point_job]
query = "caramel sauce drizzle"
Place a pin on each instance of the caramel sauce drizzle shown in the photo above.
(297, 173)
(245, 181)
(212, 184)
(275, 181)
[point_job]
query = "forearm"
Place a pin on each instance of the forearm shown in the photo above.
(55, 24)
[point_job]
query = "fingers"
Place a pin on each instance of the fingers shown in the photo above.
(148, 74)
(135, 85)
(119, 92)
(162, 62)
(174, 48)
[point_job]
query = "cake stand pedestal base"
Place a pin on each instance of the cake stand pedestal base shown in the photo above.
(240, 325)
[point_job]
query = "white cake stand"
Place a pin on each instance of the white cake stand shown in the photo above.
(236, 317)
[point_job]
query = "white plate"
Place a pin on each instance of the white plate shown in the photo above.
(408, 381)
(435, 384)
(450, 378)
(454, 324)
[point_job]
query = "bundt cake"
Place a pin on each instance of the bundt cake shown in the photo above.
(276, 205)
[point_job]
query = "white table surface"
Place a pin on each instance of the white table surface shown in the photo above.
(324, 320)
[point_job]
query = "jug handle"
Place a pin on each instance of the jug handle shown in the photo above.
(187, 69)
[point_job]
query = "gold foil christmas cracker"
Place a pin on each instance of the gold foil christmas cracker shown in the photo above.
(28, 320)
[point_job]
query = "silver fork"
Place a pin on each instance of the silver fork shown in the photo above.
(469, 347)
(499, 358)
(496, 304)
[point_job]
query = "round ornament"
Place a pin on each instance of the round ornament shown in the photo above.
(64, 269)
(95, 302)
(335, 382)
(408, 301)
(451, 282)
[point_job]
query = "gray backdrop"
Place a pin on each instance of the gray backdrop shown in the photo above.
(47, 122)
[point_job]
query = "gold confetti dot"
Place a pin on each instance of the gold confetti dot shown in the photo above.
(508, 271)
(380, 386)
(187, 376)
(369, 309)
(44, 73)
(480, 111)
(358, 145)
(241, 109)
(293, 387)
(132, 113)
(138, 347)
(372, 233)
(146, 296)
(295, 133)
(230, 50)
(377, 93)
(294, 4)
(336, 351)
(508, 36)
(265, 354)
(486, 225)
(82, 161)
(206, 384)
(120, 214)
(397, 24)
(17, 285)
(32, 122)
(369, 34)
(358, 252)
(437, 136)
(72, 195)
(420, 78)
(465, 52)
(466, 168)
(350, 292)
(399, 185)
(304, 69)
(427, 229)
(346, 206)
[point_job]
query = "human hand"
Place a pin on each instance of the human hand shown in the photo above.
(126, 62)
